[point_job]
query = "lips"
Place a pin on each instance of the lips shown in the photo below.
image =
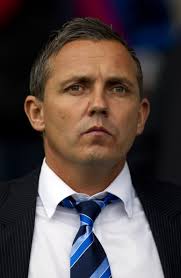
(97, 129)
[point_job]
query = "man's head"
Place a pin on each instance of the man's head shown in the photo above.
(86, 89)
(77, 29)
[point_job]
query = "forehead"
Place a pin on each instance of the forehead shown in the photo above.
(84, 56)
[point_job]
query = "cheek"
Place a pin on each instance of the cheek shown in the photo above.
(127, 125)
(61, 126)
(55, 119)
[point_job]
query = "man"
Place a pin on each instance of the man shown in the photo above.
(87, 101)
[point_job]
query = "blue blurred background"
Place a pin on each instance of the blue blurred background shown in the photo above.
(152, 27)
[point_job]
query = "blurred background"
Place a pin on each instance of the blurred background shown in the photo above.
(152, 27)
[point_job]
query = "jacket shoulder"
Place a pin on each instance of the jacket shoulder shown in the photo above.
(163, 196)
(23, 187)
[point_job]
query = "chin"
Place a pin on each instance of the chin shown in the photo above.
(100, 159)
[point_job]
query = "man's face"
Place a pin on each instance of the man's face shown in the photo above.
(91, 110)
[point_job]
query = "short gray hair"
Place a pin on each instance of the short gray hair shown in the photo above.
(76, 29)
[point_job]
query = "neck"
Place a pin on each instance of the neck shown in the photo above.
(88, 179)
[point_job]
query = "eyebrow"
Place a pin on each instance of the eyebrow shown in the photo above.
(123, 80)
(77, 78)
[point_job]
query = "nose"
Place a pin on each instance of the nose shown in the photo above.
(98, 104)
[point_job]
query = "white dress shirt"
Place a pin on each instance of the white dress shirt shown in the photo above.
(122, 229)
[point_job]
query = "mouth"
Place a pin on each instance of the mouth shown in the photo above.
(99, 130)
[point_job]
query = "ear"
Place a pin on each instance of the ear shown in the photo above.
(34, 110)
(144, 112)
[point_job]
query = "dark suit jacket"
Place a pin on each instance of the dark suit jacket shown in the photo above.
(161, 202)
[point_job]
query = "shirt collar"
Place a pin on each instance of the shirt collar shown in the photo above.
(52, 190)
(122, 188)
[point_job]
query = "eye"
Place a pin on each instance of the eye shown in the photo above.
(74, 89)
(119, 89)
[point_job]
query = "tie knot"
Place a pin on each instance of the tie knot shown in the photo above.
(89, 210)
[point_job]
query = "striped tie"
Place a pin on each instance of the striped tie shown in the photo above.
(88, 258)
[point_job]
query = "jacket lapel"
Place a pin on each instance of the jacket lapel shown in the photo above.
(17, 217)
(162, 206)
